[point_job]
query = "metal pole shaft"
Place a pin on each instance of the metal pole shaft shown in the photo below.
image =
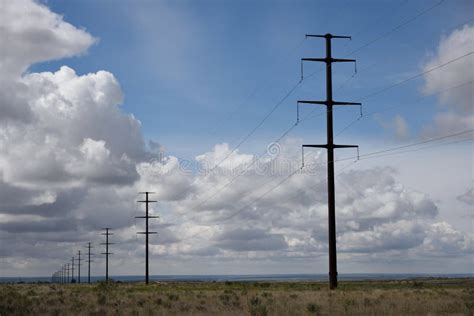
(330, 171)
(107, 256)
(79, 267)
(146, 237)
(89, 265)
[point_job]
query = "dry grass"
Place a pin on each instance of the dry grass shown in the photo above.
(427, 297)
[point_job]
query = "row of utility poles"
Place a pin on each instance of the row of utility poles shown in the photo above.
(66, 273)
(63, 275)
(329, 146)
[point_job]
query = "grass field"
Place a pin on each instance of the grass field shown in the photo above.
(420, 297)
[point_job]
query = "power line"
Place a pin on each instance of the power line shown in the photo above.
(370, 95)
(380, 91)
(380, 18)
(395, 106)
(370, 155)
(256, 89)
(275, 107)
(396, 28)
(417, 143)
(314, 73)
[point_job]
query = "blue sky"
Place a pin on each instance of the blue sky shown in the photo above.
(197, 75)
(186, 66)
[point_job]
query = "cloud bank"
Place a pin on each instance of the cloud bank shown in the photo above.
(72, 161)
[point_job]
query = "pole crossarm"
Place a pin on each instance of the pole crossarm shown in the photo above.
(328, 36)
(148, 233)
(328, 103)
(316, 146)
(330, 60)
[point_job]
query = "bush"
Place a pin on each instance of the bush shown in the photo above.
(173, 297)
(314, 308)
(257, 308)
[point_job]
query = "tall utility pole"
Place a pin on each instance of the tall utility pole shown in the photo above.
(146, 232)
(89, 262)
(72, 271)
(330, 146)
(78, 266)
(107, 253)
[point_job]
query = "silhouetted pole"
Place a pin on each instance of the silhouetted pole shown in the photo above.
(107, 253)
(89, 263)
(72, 271)
(146, 232)
(78, 266)
(330, 146)
(67, 269)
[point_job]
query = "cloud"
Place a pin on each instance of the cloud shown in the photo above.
(72, 162)
(398, 126)
(457, 104)
(35, 34)
(467, 197)
(250, 240)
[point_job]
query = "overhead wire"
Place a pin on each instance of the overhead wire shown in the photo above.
(370, 155)
(370, 95)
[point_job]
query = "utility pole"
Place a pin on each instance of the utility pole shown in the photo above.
(78, 266)
(67, 269)
(89, 262)
(146, 232)
(330, 146)
(107, 253)
(72, 271)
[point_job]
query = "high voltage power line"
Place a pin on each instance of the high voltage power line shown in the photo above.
(394, 29)
(396, 106)
(63, 274)
(293, 88)
(372, 94)
(369, 155)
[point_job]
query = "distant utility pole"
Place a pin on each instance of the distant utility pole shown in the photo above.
(107, 253)
(78, 266)
(67, 269)
(146, 232)
(330, 146)
(89, 262)
(72, 271)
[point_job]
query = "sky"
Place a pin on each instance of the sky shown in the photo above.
(196, 101)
